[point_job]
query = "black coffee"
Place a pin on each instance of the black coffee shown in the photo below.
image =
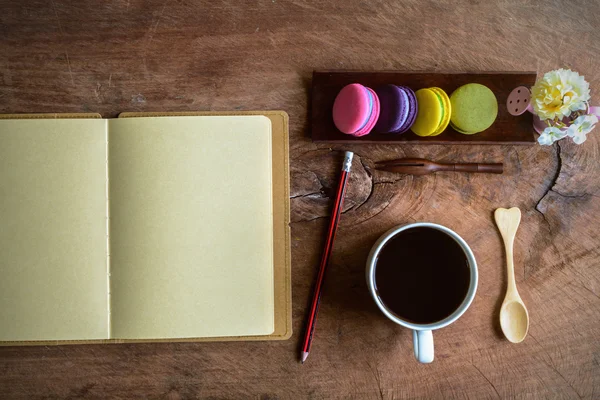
(422, 275)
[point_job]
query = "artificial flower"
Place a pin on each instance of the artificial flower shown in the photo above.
(559, 93)
(550, 135)
(581, 127)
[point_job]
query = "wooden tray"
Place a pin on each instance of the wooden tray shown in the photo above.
(507, 129)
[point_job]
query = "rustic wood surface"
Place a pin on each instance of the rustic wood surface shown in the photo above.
(180, 55)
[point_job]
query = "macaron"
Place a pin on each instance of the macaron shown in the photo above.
(356, 110)
(446, 110)
(398, 109)
(474, 108)
(434, 111)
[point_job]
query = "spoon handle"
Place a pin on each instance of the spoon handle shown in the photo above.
(511, 288)
(508, 223)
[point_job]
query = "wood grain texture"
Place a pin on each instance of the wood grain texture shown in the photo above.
(179, 55)
(506, 129)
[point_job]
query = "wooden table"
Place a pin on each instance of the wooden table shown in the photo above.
(133, 55)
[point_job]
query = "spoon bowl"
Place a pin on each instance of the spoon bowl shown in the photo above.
(514, 321)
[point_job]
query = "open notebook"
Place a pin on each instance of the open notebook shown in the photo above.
(153, 228)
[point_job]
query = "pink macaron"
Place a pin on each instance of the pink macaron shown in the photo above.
(356, 110)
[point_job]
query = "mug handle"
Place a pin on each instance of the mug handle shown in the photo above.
(423, 343)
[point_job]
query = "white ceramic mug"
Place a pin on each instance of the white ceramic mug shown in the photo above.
(422, 336)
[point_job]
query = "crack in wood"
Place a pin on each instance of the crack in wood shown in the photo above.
(323, 188)
(486, 378)
(301, 155)
(518, 159)
(553, 368)
(375, 373)
(374, 183)
(553, 182)
(325, 193)
(381, 180)
(544, 218)
(313, 195)
(311, 219)
(370, 175)
(574, 196)
(379, 212)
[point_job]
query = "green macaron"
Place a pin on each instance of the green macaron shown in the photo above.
(474, 108)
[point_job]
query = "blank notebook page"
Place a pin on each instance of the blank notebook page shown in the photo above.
(53, 235)
(191, 227)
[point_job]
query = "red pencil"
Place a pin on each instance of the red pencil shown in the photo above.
(333, 224)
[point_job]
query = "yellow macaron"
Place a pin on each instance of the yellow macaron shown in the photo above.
(434, 112)
(446, 110)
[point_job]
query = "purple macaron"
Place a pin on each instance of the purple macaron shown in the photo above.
(398, 109)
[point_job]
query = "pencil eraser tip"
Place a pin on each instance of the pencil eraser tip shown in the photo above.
(348, 160)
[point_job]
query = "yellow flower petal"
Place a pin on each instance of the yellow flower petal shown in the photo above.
(559, 93)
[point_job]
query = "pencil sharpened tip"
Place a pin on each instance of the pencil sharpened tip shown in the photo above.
(304, 356)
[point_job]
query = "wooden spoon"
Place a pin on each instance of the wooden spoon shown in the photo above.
(514, 318)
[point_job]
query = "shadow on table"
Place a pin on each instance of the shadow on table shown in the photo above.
(498, 305)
